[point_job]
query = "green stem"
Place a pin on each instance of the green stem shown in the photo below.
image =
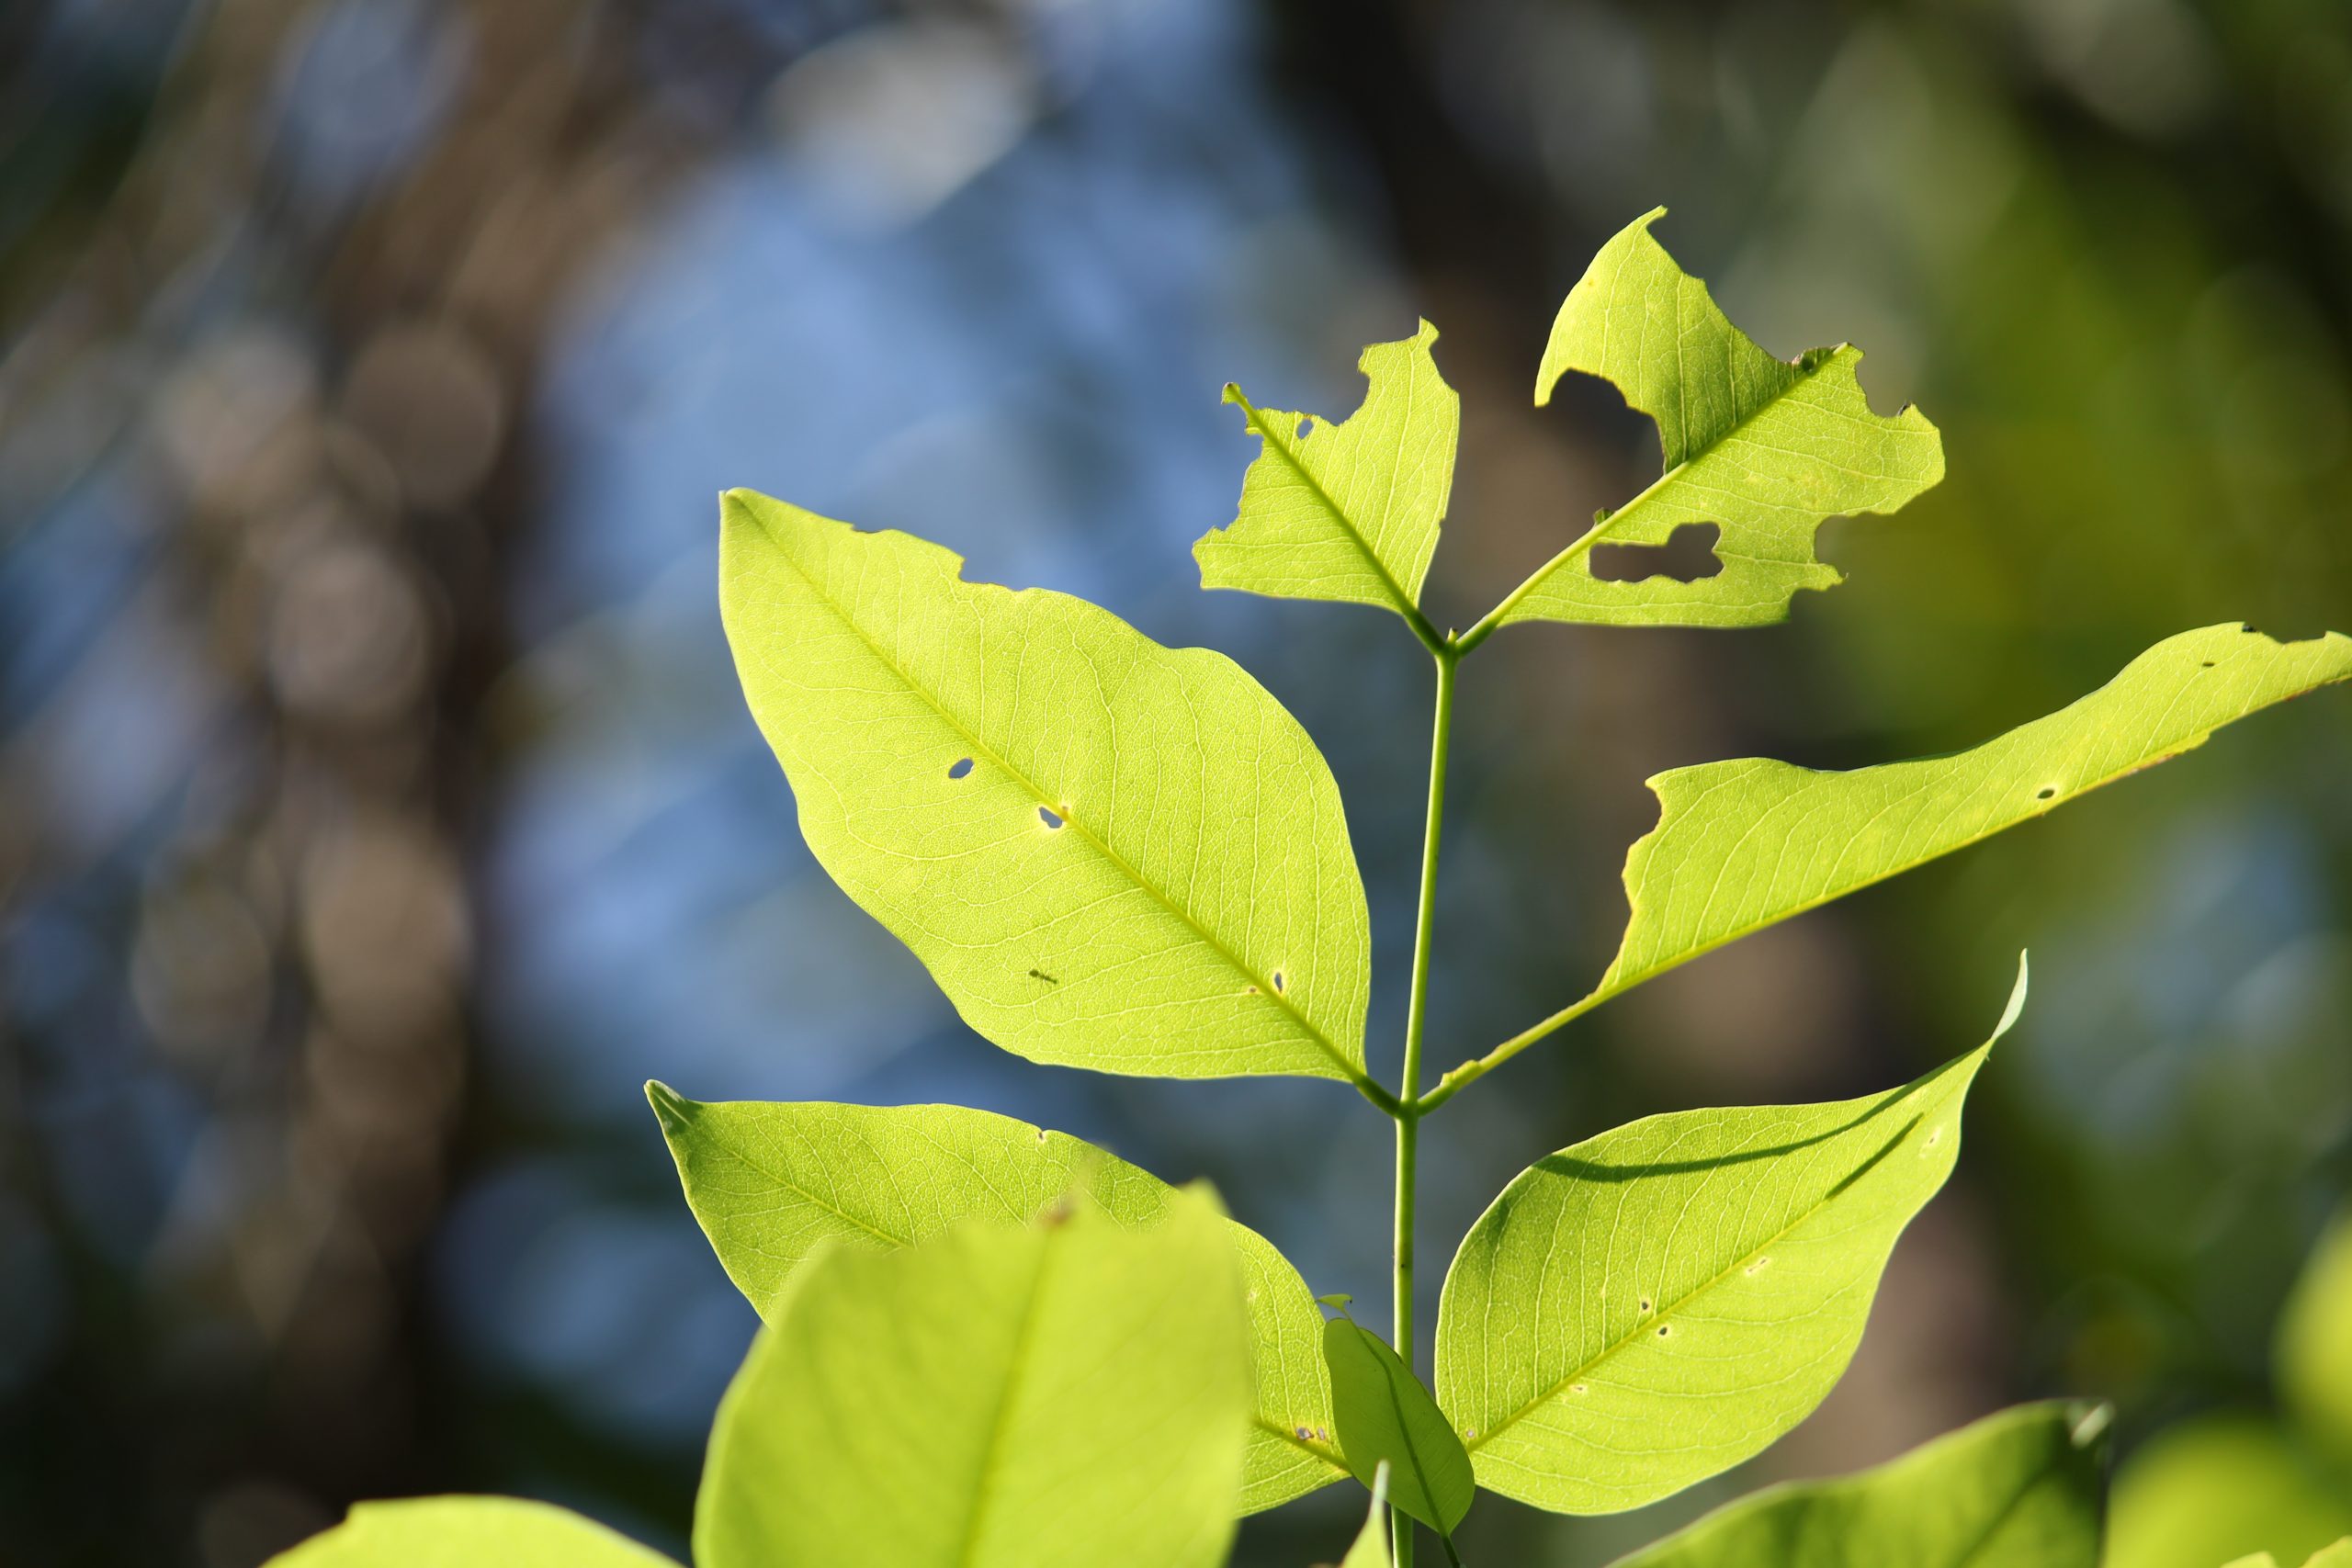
(1479, 1067)
(1409, 1117)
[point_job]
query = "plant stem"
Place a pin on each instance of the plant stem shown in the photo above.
(1409, 1116)
(1479, 1067)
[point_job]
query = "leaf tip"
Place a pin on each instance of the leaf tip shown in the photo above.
(2017, 998)
(671, 1108)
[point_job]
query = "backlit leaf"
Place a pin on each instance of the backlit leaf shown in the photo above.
(771, 1183)
(1063, 1396)
(1658, 1303)
(1387, 1419)
(2315, 1345)
(1345, 511)
(1371, 1547)
(1111, 854)
(2220, 1487)
(2016, 1490)
(1764, 450)
(467, 1532)
(1739, 845)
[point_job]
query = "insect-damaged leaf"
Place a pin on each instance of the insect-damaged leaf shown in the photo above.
(1656, 1305)
(1764, 450)
(467, 1532)
(2016, 1490)
(1740, 845)
(1111, 854)
(771, 1183)
(1060, 1397)
(1345, 511)
(1387, 1418)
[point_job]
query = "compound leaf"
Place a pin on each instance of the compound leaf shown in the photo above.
(2016, 1490)
(1656, 1305)
(1740, 845)
(1346, 512)
(1763, 449)
(772, 1183)
(467, 1532)
(1387, 1419)
(1110, 854)
(1059, 1396)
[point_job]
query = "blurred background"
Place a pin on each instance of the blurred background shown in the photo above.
(378, 809)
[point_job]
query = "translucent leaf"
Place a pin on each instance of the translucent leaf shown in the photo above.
(2220, 1487)
(771, 1183)
(1371, 1547)
(1346, 512)
(1111, 854)
(2336, 1556)
(2315, 1345)
(1742, 844)
(1656, 1305)
(1387, 1418)
(1764, 450)
(467, 1532)
(2016, 1490)
(1060, 1397)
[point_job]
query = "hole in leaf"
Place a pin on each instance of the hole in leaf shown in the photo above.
(1664, 1329)
(1646, 1304)
(1280, 983)
(957, 770)
(1047, 815)
(2046, 792)
(1306, 1434)
(1306, 425)
(1688, 556)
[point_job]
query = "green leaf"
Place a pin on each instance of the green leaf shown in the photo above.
(771, 1183)
(1371, 1547)
(2315, 1345)
(1346, 512)
(1742, 844)
(1387, 1418)
(2336, 1556)
(1111, 854)
(467, 1532)
(2016, 1490)
(1060, 1397)
(1764, 450)
(2221, 1487)
(1652, 1306)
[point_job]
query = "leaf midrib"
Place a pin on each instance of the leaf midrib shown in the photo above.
(1665, 1310)
(1274, 442)
(1015, 1367)
(1265, 989)
(1599, 533)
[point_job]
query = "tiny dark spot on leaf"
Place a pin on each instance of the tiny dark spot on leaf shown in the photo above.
(1280, 983)
(1578, 1388)
(2207, 665)
(1664, 1329)
(1041, 975)
(1049, 817)
(957, 770)
(1041, 1135)
(1306, 1434)
(1646, 1304)
(1248, 990)
(2045, 792)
